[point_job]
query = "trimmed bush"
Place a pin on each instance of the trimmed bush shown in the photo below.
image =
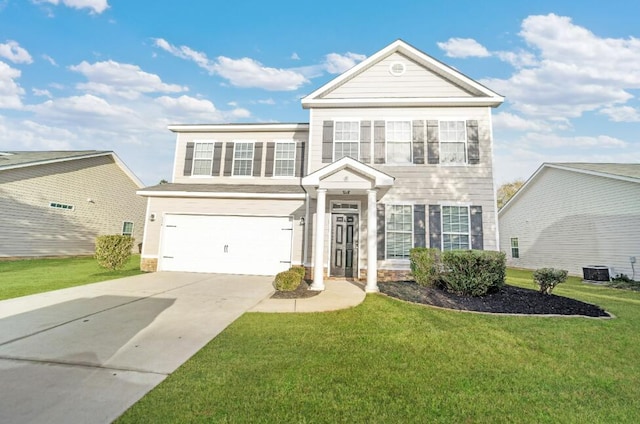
(473, 272)
(287, 280)
(300, 270)
(548, 278)
(113, 251)
(426, 266)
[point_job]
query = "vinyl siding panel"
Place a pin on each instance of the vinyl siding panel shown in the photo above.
(30, 228)
(568, 220)
(377, 81)
(248, 207)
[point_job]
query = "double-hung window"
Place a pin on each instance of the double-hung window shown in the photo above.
(399, 228)
(127, 228)
(515, 249)
(453, 142)
(202, 159)
(398, 141)
(455, 228)
(242, 158)
(346, 139)
(285, 159)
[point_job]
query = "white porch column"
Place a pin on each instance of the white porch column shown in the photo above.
(372, 243)
(318, 244)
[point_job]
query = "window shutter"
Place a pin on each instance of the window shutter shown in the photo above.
(268, 166)
(365, 141)
(228, 159)
(299, 165)
(473, 143)
(380, 231)
(433, 150)
(418, 142)
(257, 159)
(419, 233)
(188, 159)
(378, 142)
(435, 232)
(217, 156)
(477, 241)
(327, 141)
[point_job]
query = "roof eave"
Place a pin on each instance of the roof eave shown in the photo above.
(406, 102)
(239, 127)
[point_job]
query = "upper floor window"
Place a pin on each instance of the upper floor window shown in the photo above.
(398, 142)
(455, 228)
(202, 159)
(399, 226)
(346, 139)
(242, 158)
(285, 159)
(453, 142)
(127, 228)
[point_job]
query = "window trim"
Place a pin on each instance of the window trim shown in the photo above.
(335, 129)
(442, 232)
(124, 223)
(386, 229)
(386, 141)
(466, 142)
(193, 160)
(233, 157)
(275, 152)
(515, 249)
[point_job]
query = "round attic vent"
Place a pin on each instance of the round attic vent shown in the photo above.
(397, 68)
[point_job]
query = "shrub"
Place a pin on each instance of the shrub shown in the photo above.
(287, 280)
(300, 270)
(113, 251)
(473, 272)
(426, 266)
(548, 278)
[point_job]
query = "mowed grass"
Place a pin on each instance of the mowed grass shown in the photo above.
(29, 276)
(387, 361)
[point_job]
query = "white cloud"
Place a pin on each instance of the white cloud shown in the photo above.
(506, 120)
(10, 90)
(622, 114)
(96, 6)
(294, 56)
(463, 47)
(121, 79)
(191, 109)
(49, 59)
(555, 141)
(39, 92)
(83, 107)
(12, 51)
(336, 63)
(268, 101)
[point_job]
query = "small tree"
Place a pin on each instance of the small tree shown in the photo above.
(113, 251)
(507, 190)
(548, 278)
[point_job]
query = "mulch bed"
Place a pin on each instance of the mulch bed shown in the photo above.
(302, 292)
(509, 300)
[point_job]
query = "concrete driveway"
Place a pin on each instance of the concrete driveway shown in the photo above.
(85, 354)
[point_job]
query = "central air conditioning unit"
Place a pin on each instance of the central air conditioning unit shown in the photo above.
(598, 273)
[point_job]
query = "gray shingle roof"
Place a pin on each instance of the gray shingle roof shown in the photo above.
(629, 170)
(10, 159)
(226, 188)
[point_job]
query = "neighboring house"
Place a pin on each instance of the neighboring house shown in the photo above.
(575, 215)
(56, 203)
(397, 153)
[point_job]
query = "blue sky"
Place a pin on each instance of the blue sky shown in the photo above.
(112, 74)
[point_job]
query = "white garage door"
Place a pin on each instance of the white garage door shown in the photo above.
(226, 244)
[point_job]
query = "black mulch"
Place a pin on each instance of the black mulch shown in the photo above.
(509, 300)
(302, 292)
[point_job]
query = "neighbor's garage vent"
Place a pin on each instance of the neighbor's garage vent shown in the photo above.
(596, 273)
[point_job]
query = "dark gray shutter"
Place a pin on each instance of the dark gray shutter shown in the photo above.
(477, 240)
(300, 148)
(473, 143)
(327, 141)
(257, 159)
(418, 142)
(217, 156)
(435, 232)
(228, 159)
(433, 150)
(378, 142)
(268, 166)
(419, 230)
(188, 159)
(365, 141)
(380, 230)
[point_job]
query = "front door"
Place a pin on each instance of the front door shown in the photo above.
(344, 245)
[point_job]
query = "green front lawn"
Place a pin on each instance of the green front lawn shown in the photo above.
(389, 361)
(29, 276)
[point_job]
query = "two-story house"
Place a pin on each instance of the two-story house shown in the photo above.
(397, 153)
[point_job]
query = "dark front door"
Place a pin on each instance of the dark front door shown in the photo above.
(344, 245)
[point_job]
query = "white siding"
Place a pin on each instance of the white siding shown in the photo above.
(569, 220)
(29, 227)
(378, 82)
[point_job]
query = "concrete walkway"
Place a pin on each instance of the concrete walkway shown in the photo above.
(85, 354)
(338, 294)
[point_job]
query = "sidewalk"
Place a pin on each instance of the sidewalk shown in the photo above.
(338, 294)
